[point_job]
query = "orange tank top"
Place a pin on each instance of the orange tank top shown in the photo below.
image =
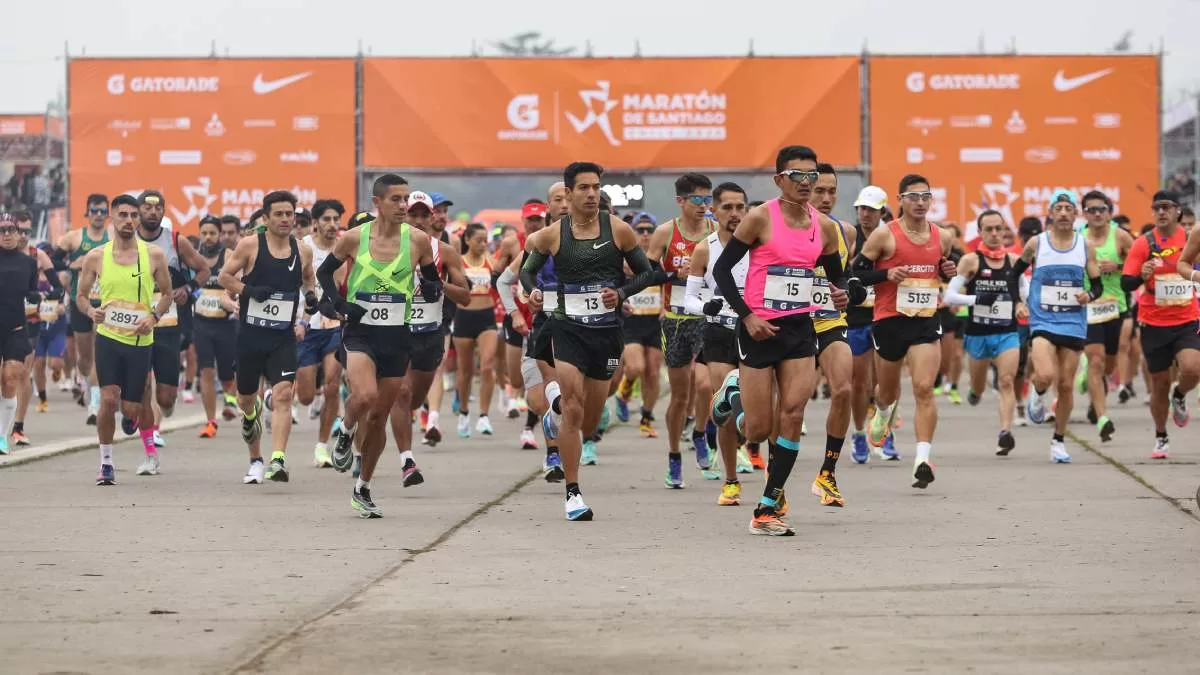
(918, 295)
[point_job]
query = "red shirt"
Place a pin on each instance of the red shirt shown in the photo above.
(922, 284)
(1153, 309)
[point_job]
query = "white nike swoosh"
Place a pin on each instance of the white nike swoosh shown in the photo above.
(595, 246)
(844, 334)
(267, 86)
(939, 330)
(287, 372)
(292, 265)
(1064, 83)
(741, 353)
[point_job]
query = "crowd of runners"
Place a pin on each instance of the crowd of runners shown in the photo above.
(372, 320)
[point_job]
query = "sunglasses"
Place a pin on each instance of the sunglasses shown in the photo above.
(1164, 206)
(1096, 210)
(8, 229)
(645, 230)
(800, 175)
(700, 200)
(98, 212)
(917, 196)
(25, 230)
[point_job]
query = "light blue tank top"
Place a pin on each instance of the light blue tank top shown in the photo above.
(1058, 276)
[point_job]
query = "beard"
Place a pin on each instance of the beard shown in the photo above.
(211, 250)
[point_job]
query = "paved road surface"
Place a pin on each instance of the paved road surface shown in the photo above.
(1003, 565)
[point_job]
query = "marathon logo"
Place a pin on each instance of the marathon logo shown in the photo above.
(163, 85)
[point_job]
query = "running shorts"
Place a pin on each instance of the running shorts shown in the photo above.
(124, 366)
(426, 351)
(682, 340)
(796, 339)
(1066, 342)
(511, 336)
(216, 346)
(720, 345)
(471, 323)
(1160, 344)
(860, 340)
(77, 321)
(264, 353)
(317, 344)
(596, 352)
(165, 360)
(390, 357)
(643, 330)
(893, 336)
(986, 347)
(14, 346)
(1107, 334)
(51, 341)
(826, 338)
(539, 346)
(948, 320)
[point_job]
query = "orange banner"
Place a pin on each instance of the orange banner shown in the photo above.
(622, 113)
(1004, 132)
(30, 125)
(214, 135)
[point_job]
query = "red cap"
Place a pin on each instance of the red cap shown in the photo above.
(533, 211)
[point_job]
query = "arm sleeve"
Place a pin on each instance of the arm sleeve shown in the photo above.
(954, 292)
(1096, 287)
(532, 265)
(832, 264)
(1024, 288)
(863, 269)
(691, 297)
(52, 277)
(643, 274)
(1131, 282)
(325, 274)
(1018, 270)
(504, 288)
(732, 254)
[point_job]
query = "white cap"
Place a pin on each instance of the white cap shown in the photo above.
(871, 196)
(418, 197)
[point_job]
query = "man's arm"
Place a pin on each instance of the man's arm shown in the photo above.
(87, 277)
(344, 248)
(457, 289)
(46, 267)
(1138, 266)
(235, 263)
(691, 297)
(196, 262)
(1027, 255)
(1186, 267)
(308, 278)
(745, 236)
(659, 241)
(539, 246)
(162, 277)
(643, 274)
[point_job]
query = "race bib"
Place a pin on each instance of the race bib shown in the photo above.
(678, 292)
(426, 316)
(787, 288)
(31, 310)
(584, 304)
(48, 311)
(1103, 309)
(275, 312)
(171, 318)
(1060, 296)
(1172, 290)
(481, 281)
(822, 299)
(646, 302)
(999, 313)
(917, 297)
(383, 309)
(122, 317)
(870, 301)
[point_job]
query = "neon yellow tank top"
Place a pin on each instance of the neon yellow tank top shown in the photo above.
(125, 293)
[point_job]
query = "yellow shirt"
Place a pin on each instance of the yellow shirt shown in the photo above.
(125, 293)
(822, 325)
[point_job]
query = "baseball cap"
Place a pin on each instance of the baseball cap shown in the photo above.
(644, 217)
(1061, 195)
(150, 197)
(1165, 196)
(533, 211)
(440, 199)
(872, 197)
(303, 213)
(418, 197)
(360, 218)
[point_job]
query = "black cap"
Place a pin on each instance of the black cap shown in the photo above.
(211, 219)
(360, 218)
(148, 195)
(304, 213)
(1166, 196)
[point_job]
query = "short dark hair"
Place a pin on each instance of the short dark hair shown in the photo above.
(575, 168)
(387, 180)
(793, 152)
(690, 182)
(756, 202)
(533, 200)
(911, 180)
(1147, 227)
(278, 197)
(97, 198)
(22, 216)
(727, 187)
(123, 199)
(825, 168)
(210, 220)
(231, 220)
(322, 205)
(987, 212)
(1096, 194)
(1186, 211)
(259, 213)
(1122, 220)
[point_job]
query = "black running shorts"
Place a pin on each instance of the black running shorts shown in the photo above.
(642, 330)
(427, 351)
(1160, 344)
(539, 345)
(596, 352)
(471, 323)
(124, 366)
(216, 345)
(264, 353)
(826, 338)
(14, 345)
(1064, 341)
(390, 357)
(166, 361)
(1107, 334)
(894, 335)
(77, 321)
(720, 344)
(796, 339)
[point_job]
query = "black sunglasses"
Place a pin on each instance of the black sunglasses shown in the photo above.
(1096, 210)
(98, 212)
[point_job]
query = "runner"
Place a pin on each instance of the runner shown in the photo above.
(1108, 329)
(475, 330)
(642, 359)
(376, 341)
(784, 241)
(951, 342)
(905, 259)
(1062, 261)
(682, 334)
(445, 378)
(318, 350)
(45, 327)
(215, 331)
(994, 300)
(73, 246)
(588, 251)
(125, 320)
(273, 268)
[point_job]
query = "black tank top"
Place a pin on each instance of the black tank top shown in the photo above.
(18, 276)
(989, 279)
(283, 277)
(857, 317)
(587, 261)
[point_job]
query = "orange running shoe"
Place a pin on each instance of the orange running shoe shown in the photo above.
(757, 460)
(19, 438)
(43, 406)
(210, 430)
(647, 429)
(771, 525)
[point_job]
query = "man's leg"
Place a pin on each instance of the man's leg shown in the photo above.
(1006, 369)
(374, 436)
(727, 438)
(333, 382)
(1097, 367)
(923, 360)
(571, 407)
(1068, 365)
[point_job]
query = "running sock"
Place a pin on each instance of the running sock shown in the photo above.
(94, 394)
(833, 452)
(923, 450)
(18, 427)
(253, 414)
(556, 405)
(595, 438)
(106, 453)
(710, 434)
(359, 484)
(783, 458)
(697, 435)
(646, 414)
(1176, 394)
(433, 419)
(8, 412)
(551, 449)
(406, 456)
(732, 481)
(148, 440)
(1058, 438)
(572, 489)
(42, 396)
(531, 419)
(885, 412)
(278, 454)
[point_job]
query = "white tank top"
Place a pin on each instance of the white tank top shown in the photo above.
(319, 321)
(727, 317)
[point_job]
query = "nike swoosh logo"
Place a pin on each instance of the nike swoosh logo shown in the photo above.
(602, 245)
(741, 353)
(287, 372)
(292, 265)
(844, 334)
(939, 330)
(262, 86)
(1064, 83)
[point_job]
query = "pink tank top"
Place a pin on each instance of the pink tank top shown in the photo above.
(780, 277)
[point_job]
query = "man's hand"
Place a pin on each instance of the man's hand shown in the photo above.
(180, 295)
(626, 308)
(949, 268)
(1022, 312)
(897, 274)
(518, 323)
(1147, 269)
(33, 298)
(1108, 267)
(610, 297)
(96, 314)
(354, 313)
(841, 299)
(145, 325)
(431, 289)
(535, 300)
(1083, 297)
(328, 310)
(758, 327)
(259, 293)
(300, 329)
(311, 304)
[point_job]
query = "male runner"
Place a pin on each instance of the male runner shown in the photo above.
(273, 268)
(985, 285)
(376, 341)
(446, 377)
(73, 246)
(215, 331)
(1108, 328)
(45, 328)
(230, 232)
(642, 358)
(588, 249)
(124, 272)
(682, 334)
(1062, 263)
(18, 287)
(904, 259)
(323, 337)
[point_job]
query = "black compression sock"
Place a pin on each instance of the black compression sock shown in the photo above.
(42, 396)
(1058, 438)
(698, 433)
(1160, 434)
(710, 435)
(782, 461)
(18, 427)
(833, 451)
(531, 419)
(572, 489)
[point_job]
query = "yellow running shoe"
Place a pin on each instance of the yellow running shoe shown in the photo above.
(647, 429)
(731, 495)
(825, 487)
(878, 428)
(781, 505)
(43, 406)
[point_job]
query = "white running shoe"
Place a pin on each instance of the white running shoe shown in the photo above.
(295, 415)
(528, 442)
(188, 396)
(158, 440)
(1058, 452)
(576, 509)
(254, 476)
(315, 408)
(464, 426)
(149, 466)
(483, 425)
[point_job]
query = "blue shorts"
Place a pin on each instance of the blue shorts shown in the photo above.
(51, 340)
(860, 340)
(985, 347)
(316, 345)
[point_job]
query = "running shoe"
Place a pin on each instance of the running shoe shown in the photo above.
(622, 409)
(188, 396)
(781, 504)
(483, 425)
(880, 428)
(552, 468)
(412, 475)
(861, 452)
(3, 446)
(251, 429)
(588, 456)
(647, 429)
(295, 415)
(973, 398)
(254, 475)
(107, 475)
(756, 459)
(804, 427)
(343, 447)
(770, 525)
(91, 420)
(1091, 414)
(1162, 448)
(1106, 428)
(1058, 452)
(700, 446)
(954, 397)
(149, 466)
(455, 406)
(315, 408)
(433, 435)
(1035, 408)
(43, 406)
(464, 426)
(423, 417)
(1020, 415)
(744, 465)
(1179, 408)
(513, 411)
(1005, 443)
(360, 499)
(528, 442)
(731, 495)
(19, 439)
(889, 451)
(825, 488)
(277, 471)
(209, 430)
(158, 440)
(689, 425)
(230, 411)
(522, 405)
(576, 509)
(321, 458)
(674, 478)
(721, 406)
(1052, 412)
(550, 424)
(357, 470)
(605, 419)
(922, 474)
(269, 399)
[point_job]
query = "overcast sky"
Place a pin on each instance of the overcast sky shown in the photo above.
(32, 68)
